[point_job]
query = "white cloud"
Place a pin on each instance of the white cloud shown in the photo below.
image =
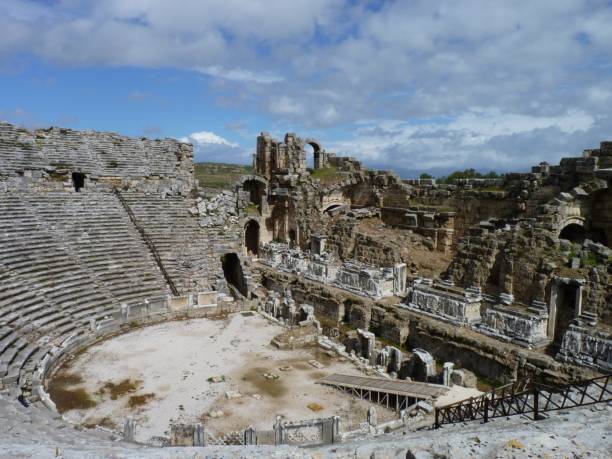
(470, 82)
(483, 138)
(207, 137)
(241, 75)
(286, 106)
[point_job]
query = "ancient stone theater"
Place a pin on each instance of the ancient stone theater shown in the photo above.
(317, 308)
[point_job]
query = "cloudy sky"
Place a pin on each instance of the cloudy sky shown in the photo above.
(409, 85)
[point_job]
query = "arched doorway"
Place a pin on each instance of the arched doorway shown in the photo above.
(232, 271)
(574, 233)
(310, 156)
(251, 237)
(313, 154)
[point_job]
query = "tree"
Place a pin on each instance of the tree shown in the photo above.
(424, 175)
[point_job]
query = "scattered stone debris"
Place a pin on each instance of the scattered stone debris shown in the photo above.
(316, 364)
(314, 406)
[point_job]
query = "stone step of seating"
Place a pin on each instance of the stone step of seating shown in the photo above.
(20, 358)
(53, 321)
(7, 342)
(29, 366)
(9, 354)
(22, 302)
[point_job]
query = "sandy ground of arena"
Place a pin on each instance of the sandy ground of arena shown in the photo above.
(174, 360)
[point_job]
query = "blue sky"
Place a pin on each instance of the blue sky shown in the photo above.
(408, 85)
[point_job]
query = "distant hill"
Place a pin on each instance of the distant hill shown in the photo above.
(219, 175)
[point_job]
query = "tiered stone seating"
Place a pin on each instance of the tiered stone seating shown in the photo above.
(65, 258)
(187, 252)
(97, 153)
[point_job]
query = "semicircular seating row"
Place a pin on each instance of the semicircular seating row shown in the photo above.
(65, 258)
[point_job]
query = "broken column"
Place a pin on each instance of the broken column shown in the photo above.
(446, 373)
(399, 279)
(367, 341)
(317, 243)
(129, 430)
(199, 438)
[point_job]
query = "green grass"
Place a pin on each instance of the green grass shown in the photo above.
(417, 203)
(220, 176)
(327, 174)
(252, 209)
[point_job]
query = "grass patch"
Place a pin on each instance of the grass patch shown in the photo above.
(67, 379)
(220, 176)
(106, 421)
(60, 165)
(327, 174)
(140, 400)
(124, 387)
(70, 399)
(485, 384)
(55, 177)
(67, 397)
(437, 208)
(590, 260)
(252, 209)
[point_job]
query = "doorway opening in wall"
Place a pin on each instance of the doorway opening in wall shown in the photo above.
(310, 156)
(257, 192)
(232, 271)
(574, 233)
(251, 237)
(292, 237)
(78, 181)
(345, 311)
(563, 311)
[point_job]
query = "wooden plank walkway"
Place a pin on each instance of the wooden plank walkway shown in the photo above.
(417, 390)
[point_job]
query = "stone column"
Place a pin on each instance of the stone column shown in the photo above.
(250, 436)
(447, 372)
(372, 417)
(578, 301)
(278, 431)
(552, 312)
(129, 430)
(125, 311)
(199, 438)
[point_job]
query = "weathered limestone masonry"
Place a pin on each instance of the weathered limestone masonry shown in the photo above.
(295, 202)
(513, 240)
(73, 251)
(445, 301)
(57, 159)
(523, 326)
(364, 280)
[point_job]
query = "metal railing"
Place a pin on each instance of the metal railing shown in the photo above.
(526, 398)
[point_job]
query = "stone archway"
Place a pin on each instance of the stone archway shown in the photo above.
(573, 232)
(251, 237)
(317, 151)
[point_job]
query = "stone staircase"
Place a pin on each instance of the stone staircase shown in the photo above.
(187, 251)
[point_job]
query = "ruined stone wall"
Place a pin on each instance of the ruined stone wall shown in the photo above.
(46, 158)
(523, 261)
